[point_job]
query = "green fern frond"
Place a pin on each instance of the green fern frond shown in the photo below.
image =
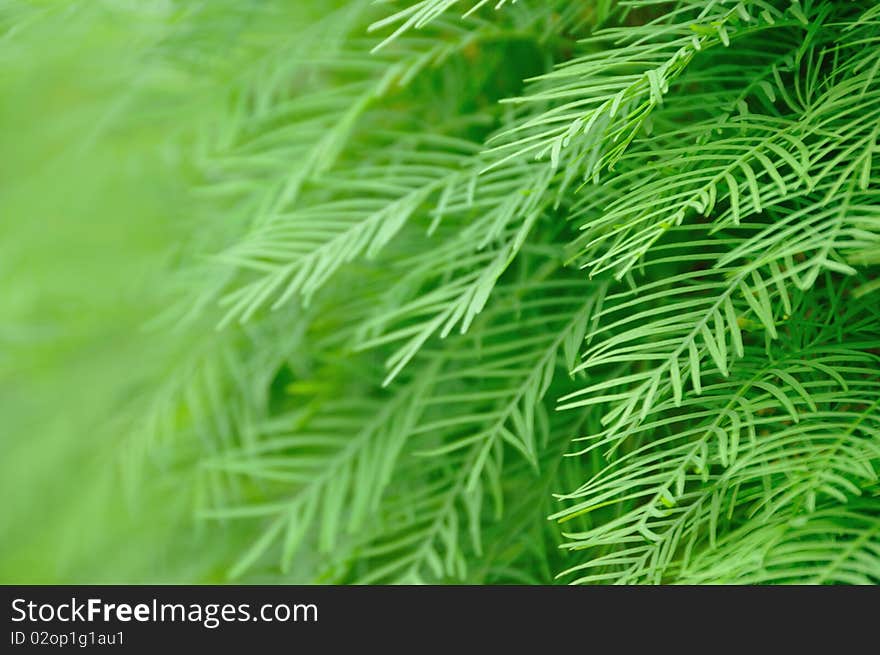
(451, 268)
(717, 162)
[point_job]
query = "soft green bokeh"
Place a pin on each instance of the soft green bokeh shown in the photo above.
(107, 106)
(92, 201)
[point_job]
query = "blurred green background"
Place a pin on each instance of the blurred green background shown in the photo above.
(96, 123)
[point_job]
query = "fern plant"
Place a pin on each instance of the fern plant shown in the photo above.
(530, 292)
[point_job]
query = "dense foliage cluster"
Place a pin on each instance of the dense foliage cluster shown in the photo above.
(532, 291)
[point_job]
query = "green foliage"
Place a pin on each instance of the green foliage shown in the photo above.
(545, 292)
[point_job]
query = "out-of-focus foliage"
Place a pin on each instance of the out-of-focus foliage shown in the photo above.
(367, 292)
(94, 200)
